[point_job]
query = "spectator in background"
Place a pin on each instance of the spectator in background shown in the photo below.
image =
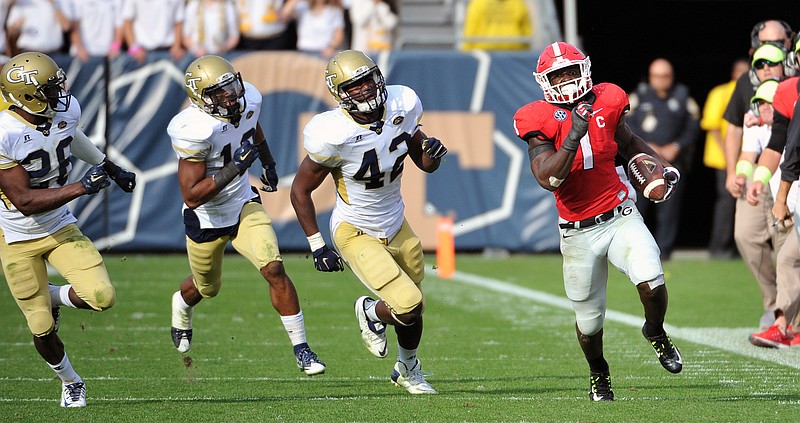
(750, 231)
(96, 28)
(373, 25)
(210, 27)
(153, 25)
(36, 25)
(5, 5)
(320, 25)
(262, 28)
(667, 117)
(721, 245)
(497, 19)
(759, 140)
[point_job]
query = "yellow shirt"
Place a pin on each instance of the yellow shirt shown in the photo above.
(717, 101)
(497, 18)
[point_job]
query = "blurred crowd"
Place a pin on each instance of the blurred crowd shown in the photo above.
(86, 28)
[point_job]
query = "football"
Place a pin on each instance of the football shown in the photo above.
(647, 176)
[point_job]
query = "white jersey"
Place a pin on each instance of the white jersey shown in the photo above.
(199, 137)
(755, 139)
(368, 165)
(45, 155)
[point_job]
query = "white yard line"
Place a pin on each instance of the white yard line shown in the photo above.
(727, 339)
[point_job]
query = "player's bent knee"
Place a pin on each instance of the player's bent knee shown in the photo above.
(105, 298)
(590, 326)
(41, 322)
(646, 269)
(408, 319)
(209, 291)
(656, 282)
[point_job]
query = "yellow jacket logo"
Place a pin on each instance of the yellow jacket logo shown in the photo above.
(18, 74)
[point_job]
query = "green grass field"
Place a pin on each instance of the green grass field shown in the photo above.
(499, 341)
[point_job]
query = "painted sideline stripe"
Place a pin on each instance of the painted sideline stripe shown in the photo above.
(727, 339)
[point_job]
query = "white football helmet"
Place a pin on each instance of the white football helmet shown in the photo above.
(558, 56)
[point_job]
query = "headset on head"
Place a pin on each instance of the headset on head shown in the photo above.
(790, 65)
(755, 42)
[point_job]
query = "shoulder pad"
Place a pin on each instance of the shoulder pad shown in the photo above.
(190, 124)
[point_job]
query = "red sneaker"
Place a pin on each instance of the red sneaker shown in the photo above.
(772, 338)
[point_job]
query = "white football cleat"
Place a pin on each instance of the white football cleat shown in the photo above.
(181, 324)
(372, 333)
(73, 395)
(412, 380)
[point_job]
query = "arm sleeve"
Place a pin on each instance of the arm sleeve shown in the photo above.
(777, 140)
(83, 148)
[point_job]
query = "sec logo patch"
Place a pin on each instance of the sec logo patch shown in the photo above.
(560, 115)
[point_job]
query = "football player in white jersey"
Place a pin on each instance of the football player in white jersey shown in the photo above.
(216, 139)
(363, 144)
(38, 134)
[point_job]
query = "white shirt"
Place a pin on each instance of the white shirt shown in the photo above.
(372, 25)
(98, 19)
(154, 21)
(369, 165)
(315, 29)
(40, 29)
(210, 27)
(259, 18)
(755, 139)
(198, 136)
(46, 158)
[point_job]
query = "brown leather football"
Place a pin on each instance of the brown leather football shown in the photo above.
(647, 176)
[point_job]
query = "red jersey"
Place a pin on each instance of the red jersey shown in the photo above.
(592, 186)
(786, 96)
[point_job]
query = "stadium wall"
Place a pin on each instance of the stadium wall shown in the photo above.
(484, 183)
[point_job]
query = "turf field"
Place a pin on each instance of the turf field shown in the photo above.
(499, 344)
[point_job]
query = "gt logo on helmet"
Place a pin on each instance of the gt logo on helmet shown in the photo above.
(18, 74)
(191, 83)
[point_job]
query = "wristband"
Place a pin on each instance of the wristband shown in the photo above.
(225, 175)
(264, 154)
(135, 48)
(116, 46)
(315, 241)
(762, 174)
(743, 167)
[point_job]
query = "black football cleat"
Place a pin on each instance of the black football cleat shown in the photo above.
(667, 353)
(600, 387)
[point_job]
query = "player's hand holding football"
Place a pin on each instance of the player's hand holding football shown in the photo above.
(269, 178)
(671, 177)
(95, 179)
(327, 260)
(434, 148)
(580, 125)
(244, 156)
(124, 179)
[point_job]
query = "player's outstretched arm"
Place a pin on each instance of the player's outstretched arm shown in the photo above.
(16, 185)
(83, 148)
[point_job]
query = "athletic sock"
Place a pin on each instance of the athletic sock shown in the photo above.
(370, 308)
(59, 296)
(407, 357)
(295, 328)
(65, 371)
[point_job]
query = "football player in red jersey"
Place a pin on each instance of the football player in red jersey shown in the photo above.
(573, 137)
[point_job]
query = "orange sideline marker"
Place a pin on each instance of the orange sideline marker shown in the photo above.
(445, 247)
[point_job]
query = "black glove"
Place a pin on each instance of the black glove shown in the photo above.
(95, 179)
(580, 125)
(244, 156)
(126, 180)
(269, 177)
(671, 176)
(327, 260)
(434, 148)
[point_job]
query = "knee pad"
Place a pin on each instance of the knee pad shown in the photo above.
(41, 322)
(208, 291)
(105, 298)
(646, 269)
(589, 315)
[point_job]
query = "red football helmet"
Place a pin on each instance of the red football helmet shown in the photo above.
(558, 56)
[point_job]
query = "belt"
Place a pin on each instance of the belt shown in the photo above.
(585, 223)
